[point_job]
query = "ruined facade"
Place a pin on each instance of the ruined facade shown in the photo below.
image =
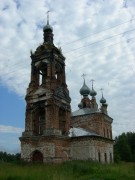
(52, 133)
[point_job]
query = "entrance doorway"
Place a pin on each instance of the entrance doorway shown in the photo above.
(37, 156)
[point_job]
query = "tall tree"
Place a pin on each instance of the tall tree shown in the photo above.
(124, 148)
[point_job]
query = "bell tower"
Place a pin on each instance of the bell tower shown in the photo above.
(47, 98)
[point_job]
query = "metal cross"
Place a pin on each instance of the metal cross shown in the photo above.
(101, 91)
(92, 80)
(83, 75)
(47, 17)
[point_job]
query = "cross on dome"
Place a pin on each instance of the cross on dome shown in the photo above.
(102, 100)
(83, 75)
(93, 93)
(47, 17)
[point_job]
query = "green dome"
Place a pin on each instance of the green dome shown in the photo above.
(103, 100)
(85, 90)
(80, 105)
(48, 27)
(93, 92)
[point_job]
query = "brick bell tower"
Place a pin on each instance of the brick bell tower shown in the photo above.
(47, 104)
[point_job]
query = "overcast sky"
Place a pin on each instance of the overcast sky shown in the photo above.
(97, 38)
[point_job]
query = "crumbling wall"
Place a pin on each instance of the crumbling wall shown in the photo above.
(92, 148)
(53, 149)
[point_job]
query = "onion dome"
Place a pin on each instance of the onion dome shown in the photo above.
(48, 32)
(48, 27)
(102, 100)
(85, 90)
(80, 105)
(93, 92)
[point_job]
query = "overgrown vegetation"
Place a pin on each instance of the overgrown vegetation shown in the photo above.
(12, 168)
(124, 148)
(80, 170)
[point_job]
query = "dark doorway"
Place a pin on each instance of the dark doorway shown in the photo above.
(37, 156)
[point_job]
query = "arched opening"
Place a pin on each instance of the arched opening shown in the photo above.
(62, 120)
(37, 156)
(39, 118)
(42, 73)
(58, 73)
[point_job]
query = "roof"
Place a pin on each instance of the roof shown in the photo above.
(83, 111)
(76, 132)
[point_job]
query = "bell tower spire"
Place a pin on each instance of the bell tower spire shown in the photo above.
(48, 31)
(48, 17)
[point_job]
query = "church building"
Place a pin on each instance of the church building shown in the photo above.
(52, 132)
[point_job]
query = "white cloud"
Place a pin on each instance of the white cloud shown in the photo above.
(10, 129)
(109, 61)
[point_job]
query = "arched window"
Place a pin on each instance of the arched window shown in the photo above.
(39, 119)
(42, 73)
(58, 72)
(42, 120)
(40, 79)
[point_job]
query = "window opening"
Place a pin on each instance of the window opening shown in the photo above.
(40, 79)
(56, 76)
(105, 157)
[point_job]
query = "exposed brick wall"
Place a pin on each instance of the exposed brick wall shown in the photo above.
(54, 149)
(58, 149)
(94, 122)
(92, 148)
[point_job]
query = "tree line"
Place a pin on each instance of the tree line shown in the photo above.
(124, 147)
(6, 157)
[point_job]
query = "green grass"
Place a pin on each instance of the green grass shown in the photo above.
(74, 170)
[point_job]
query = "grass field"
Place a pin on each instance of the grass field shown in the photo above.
(75, 170)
